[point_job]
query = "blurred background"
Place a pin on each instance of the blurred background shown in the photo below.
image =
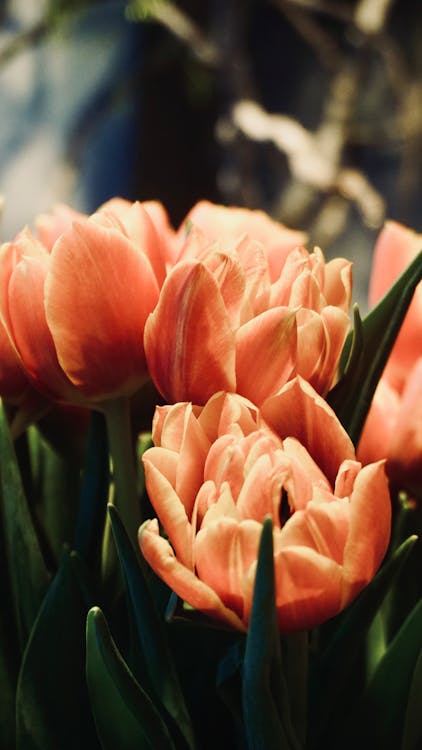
(309, 109)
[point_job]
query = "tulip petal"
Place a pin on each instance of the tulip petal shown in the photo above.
(338, 283)
(170, 511)
(188, 339)
(224, 551)
(378, 429)
(98, 294)
(298, 411)
(13, 381)
(140, 229)
(183, 581)
(265, 353)
(31, 334)
(405, 450)
(308, 588)
(370, 524)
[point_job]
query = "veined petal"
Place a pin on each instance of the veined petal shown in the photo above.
(183, 581)
(298, 411)
(30, 333)
(140, 229)
(370, 525)
(189, 343)
(265, 353)
(170, 511)
(338, 283)
(321, 526)
(405, 451)
(98, 294)
(224, 551)
(13, 381)
(308, 587)
(374, 443)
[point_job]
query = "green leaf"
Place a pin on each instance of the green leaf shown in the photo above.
(8, 678)
(266, 705)
(29, 577)
(156, 661)
(381, 712)
(330, 674)
(51, 702)
(412, 734)
(124, 715)
(94, 493)
(352, 396)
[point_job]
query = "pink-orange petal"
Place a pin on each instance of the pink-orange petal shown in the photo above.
(265, 353)
(183, 581)
(298, 411)
(98, 294)
(308, 588)
(224, 551)
(170, 510)
(370, 525)
(31, 335)
(188, 339)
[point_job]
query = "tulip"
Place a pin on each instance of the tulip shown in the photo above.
(213, 475)
(395, 248)
(238, 317)
(75, 315)
(227, 224)
(393, 429)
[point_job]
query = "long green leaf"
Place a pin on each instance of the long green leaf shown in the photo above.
(380, 715)
(156, 661)
(94, 493)
(51, 703)
(266, 709)
(124, 715)
(412, 733)
(331, 673)
(8, 678)
(352, 396)
(29, 577)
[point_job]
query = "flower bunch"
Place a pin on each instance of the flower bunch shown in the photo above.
(225, 394)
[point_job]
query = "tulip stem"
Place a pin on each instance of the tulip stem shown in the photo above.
(117, 414)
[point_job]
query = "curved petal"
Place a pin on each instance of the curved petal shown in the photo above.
(370, 525)
(139, 227)
(170, 511)
(405, 451)
(31, 334)
(395, 248)
(183, 581)
(321, 526)
(298, 411)
(337, 287)
(189, 343)
(51, 226)
(224, 551)
(13, 381)
(265, 353)
(98, 294)
(308, 588)
(377, 432)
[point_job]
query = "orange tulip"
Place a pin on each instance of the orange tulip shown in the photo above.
(393, 430)
(395, 248)
(216, 472)
(76, 315)
(237, 316)
(227, 224)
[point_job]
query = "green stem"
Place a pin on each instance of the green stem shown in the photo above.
(117, 414)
